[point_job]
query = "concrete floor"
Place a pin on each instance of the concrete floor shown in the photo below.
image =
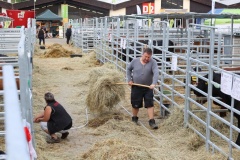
(54, 40)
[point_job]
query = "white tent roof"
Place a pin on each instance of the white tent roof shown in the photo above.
(228, 2)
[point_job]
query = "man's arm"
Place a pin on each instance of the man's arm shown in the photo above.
(129, 72)
(155, 74)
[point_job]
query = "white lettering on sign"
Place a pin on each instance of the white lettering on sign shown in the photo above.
(21, 15)
(148, 8)
(145, 9)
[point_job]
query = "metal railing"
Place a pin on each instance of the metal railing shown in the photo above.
(196, 46)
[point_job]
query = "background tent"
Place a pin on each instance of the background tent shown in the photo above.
(48, 16)
(223, 23)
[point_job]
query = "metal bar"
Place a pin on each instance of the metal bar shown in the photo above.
(15, 136)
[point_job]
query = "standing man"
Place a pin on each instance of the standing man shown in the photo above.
(69, 33)
(143, 70)
(41, 36)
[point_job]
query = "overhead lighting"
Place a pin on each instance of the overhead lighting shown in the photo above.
(85, 9)
(72, 6)
(114, 1)
(94, 11)
(99, 13)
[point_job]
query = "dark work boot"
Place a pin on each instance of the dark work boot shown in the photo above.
(152, 124)
(135, 120)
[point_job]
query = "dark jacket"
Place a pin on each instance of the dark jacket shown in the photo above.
(68, 32)
(59, 118)
(41, 33)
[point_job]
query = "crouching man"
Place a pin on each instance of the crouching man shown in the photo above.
(54, 119)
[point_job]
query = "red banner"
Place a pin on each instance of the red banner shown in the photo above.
(19, 17)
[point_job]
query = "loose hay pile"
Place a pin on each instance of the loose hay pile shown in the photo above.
(116, 149)
(103, 92)
(56, 51)
(101, 120)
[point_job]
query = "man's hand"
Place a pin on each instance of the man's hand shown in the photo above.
(130, 83)
(152, 86)
(37, 120)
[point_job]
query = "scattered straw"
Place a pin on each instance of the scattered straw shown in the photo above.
(66, 68)
(101, 120)
(116, 149)
(103, 92)
(175, 119)
(195, 142)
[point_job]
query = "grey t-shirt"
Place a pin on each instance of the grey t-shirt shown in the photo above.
(143, 74)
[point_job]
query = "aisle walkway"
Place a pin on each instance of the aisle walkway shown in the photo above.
(49, 41)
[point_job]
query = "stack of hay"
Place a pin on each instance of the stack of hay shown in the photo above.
(56, 51)
(103, 92)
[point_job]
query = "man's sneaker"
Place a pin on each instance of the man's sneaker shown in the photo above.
(53, 140)
(153, 124)
(64, 135)
(135, 120)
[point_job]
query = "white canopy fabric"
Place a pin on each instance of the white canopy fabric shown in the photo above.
(228, 2)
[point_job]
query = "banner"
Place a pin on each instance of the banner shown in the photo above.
(20, 17)
(60, 33)
(148, 8)
(64, 11)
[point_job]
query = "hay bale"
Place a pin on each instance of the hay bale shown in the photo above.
(55, 45)
(103, 92)
(90, 60)
(56, 51)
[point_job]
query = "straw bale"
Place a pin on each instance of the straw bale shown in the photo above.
(90, 59)
(116, 149)
(54, 45)
(103, 92)
(56, 51)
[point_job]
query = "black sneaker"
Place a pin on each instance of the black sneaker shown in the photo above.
(135, 120)
(64, 135)
(53, 140)
(152, 124)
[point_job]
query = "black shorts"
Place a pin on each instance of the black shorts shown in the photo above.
(139, 94)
